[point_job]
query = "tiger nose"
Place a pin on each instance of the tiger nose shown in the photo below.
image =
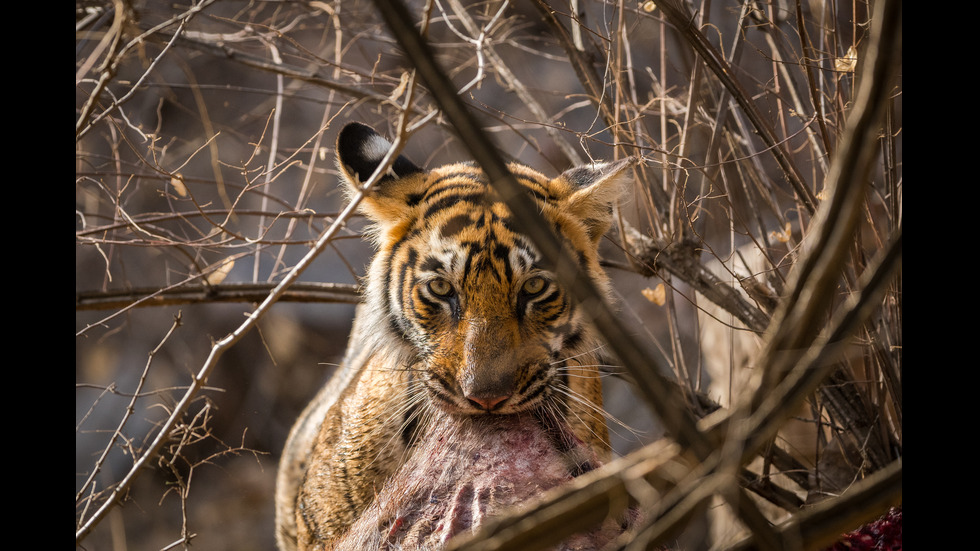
(487, 403)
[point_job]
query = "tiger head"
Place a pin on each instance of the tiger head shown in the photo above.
(475, 312)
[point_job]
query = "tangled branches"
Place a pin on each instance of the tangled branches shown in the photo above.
(767, 210)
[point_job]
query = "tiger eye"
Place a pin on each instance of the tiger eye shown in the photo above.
(534, 285)
(440, 287)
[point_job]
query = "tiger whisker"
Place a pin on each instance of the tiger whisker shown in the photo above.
(564, 390)
(414, 407)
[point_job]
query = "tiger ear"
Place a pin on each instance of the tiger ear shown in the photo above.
(359, 152)
(596, 189)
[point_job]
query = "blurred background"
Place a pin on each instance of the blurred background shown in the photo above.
(205, 171)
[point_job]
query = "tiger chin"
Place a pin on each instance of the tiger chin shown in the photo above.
(461, 316)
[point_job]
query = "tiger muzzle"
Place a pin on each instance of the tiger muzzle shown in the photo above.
(490, 367)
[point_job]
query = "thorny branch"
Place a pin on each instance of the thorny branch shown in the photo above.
(89, 483)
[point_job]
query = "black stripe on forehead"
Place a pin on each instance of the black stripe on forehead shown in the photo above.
(450, 200)
(528, 256)
(449, 189)
(474, 176)
(470, 258)
(521, 243)
(501, 253)
(508, 223)
(455, 225)
(475, 187)
(431, 264)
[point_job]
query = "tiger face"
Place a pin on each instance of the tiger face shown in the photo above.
(478, 316)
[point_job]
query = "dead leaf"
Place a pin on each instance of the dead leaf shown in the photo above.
(782, 236)
(848, 63)
(649, 6)
(177, 182)
(400, 89)
(219, 275)
(657, 295)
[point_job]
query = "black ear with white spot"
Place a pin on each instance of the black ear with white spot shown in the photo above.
(390, 201)
(360, 150)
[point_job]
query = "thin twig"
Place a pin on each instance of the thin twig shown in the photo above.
(128, 412)
(198, 381)
(679, 17)
(83, 124)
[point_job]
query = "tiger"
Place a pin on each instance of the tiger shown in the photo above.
(460, 313)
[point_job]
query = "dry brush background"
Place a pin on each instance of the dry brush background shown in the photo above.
(757, 264)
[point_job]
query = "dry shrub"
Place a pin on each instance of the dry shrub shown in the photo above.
(758, 262)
